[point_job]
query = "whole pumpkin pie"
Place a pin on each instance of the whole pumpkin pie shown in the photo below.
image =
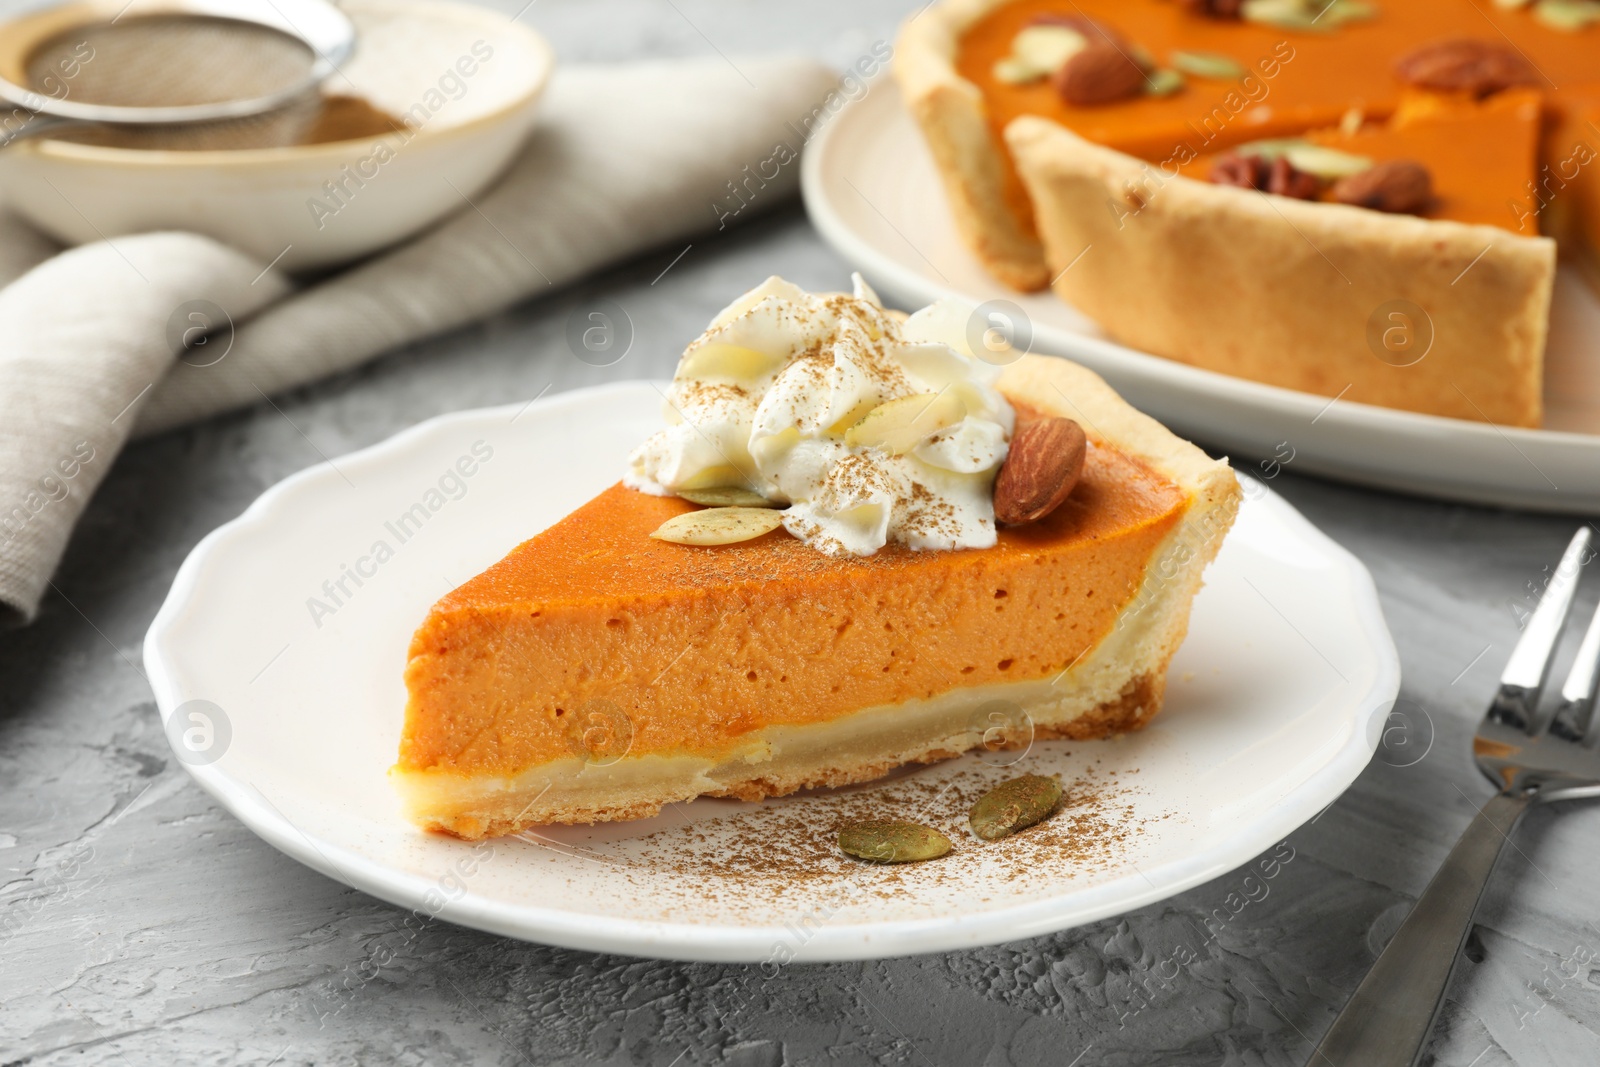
(1462, 133)
(871, 610)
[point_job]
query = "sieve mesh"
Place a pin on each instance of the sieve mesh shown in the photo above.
(174, 60)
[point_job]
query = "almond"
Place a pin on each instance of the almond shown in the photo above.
(1465, 65)
(1100, 74)
(1043, 465)
(1398, 186)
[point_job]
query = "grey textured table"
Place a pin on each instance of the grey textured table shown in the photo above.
(143, 924)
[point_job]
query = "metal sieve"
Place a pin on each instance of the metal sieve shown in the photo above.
(174, 73)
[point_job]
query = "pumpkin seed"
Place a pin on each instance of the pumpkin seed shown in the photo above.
(1163, 82)
(1341, 12)
(1014, 805)
(712, 477)
(1013, 71)
(890, 841)
(1037, 52)
(1568, 16)
(1271, 148)
(1329, 163)
(900, 425)
(1212, 65)
(1307, 16)
(719, 526)
(1047, 47)
(1282, 14)
(727, 496)
(718, 360)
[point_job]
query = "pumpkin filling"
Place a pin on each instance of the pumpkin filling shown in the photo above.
(592, 647)
(1479, 157)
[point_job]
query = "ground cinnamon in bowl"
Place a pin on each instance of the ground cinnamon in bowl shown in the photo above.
(350, 118)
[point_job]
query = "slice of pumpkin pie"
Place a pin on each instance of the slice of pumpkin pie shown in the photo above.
(850, 602)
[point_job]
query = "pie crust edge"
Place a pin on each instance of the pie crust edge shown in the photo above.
(955, 123)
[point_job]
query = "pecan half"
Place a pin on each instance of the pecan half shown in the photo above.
(1043, 465)
(1399, 186)
(1465, 65)
(1100, 74)
(1284, 180)
(1213, 9)
(1247, 172)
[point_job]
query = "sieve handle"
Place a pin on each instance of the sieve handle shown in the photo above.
(25, 124)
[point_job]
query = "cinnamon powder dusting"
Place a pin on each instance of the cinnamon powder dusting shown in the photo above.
(766, 864)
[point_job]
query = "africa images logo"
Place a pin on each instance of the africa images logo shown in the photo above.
(342, 588)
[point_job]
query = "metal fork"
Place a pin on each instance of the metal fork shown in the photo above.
(1532, 761)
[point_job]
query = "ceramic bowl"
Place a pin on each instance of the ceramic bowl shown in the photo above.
(466, 79)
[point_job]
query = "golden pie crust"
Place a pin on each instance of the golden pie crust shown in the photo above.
(994, 221)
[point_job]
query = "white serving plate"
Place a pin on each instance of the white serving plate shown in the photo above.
(1273, 709)
(872, 189)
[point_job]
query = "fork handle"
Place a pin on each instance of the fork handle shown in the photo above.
(1387, 1021)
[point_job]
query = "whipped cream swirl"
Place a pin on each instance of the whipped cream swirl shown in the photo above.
(872, 427)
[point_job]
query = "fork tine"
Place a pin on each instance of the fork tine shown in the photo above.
(1577, 693)
(1529, 666)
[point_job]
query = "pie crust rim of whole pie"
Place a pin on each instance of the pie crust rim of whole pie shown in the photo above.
(951, 112)
(1115, 687)
(955, 123)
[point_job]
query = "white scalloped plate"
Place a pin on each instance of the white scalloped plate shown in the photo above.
(1272, 711)
(871, 189)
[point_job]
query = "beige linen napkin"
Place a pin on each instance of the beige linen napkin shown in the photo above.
(623, 159)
